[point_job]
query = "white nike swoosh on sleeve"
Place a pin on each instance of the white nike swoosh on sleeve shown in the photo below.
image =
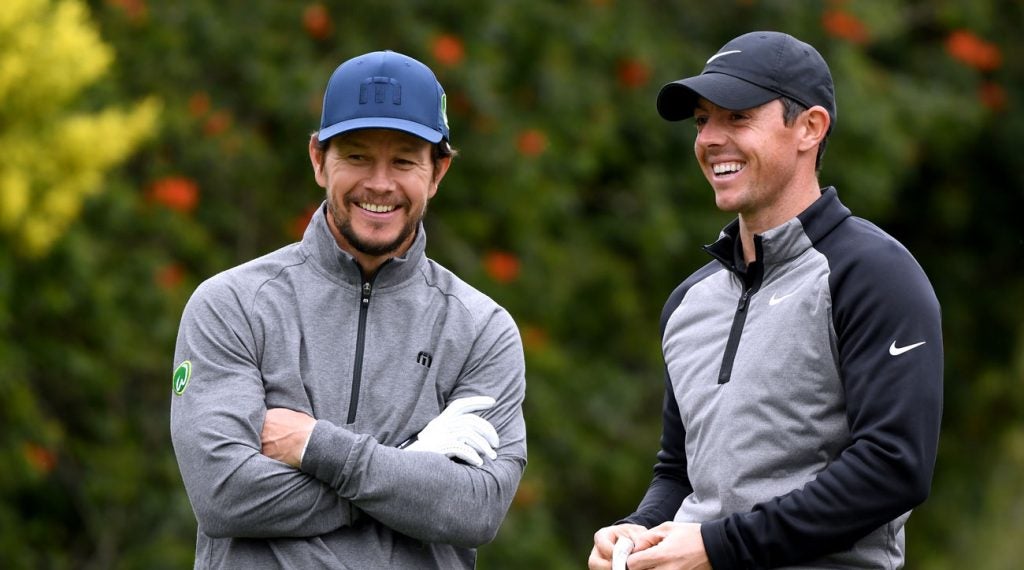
(898, 350)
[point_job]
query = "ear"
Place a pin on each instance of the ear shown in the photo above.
(316, 158)
(814, 123)
(439, 172)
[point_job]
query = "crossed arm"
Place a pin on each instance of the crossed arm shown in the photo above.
(240, 487)
(421, 476)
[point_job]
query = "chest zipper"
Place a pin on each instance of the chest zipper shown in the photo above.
(738, 320)
(357, 368)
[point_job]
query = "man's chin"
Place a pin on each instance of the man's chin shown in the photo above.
(376, 250)
(377, 246)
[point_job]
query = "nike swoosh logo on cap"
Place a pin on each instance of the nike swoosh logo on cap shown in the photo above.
(898, 350)
(718, 55)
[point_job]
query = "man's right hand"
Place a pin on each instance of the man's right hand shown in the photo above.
(457, 433)
(604, 544)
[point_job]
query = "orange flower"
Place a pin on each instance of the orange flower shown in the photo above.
(217, 123)
(633, 73)
(993, 96)
(534, 338)
(317, 21)
(135, 10)
(527, 494)
(199, 104)
(170, 276)
(968, 48)
(501, 266)
(448, 50)
(297, 227)
(176, 193)
(531, 142)
(41, 459)
(844, 25)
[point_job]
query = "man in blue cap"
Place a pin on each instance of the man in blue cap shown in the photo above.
(803, 363)
(346, 402)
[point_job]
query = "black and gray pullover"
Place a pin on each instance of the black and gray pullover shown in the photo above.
(803, 396)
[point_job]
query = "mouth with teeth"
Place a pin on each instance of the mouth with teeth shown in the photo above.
(727, 168)
(376, 208)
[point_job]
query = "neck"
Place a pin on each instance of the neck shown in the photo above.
(787, 208)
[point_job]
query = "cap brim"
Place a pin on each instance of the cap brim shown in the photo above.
(413, 128)
(677, 100)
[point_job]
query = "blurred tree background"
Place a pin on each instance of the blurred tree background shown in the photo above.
(147, 145)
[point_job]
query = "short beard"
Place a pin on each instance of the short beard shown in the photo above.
(376, 250)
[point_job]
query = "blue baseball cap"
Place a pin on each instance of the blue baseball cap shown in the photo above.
(751, 70)
(384, 90)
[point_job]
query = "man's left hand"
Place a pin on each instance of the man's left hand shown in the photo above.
(285, 434)
(670, 546)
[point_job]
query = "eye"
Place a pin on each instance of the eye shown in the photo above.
(404, 163)
(700, 121)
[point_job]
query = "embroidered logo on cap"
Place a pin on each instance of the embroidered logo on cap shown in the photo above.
(444, 110)
(379, 88)
(718, 55)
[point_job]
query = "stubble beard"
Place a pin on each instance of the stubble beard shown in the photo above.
(373, 249)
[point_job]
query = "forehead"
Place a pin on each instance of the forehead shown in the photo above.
(371, 138)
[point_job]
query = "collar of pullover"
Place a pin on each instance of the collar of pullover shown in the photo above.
(319, 242)
(786, 241)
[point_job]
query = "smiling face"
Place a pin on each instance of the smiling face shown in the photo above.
(750, 157)
(378, 183)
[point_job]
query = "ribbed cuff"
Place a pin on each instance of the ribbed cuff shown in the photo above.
(304, 446)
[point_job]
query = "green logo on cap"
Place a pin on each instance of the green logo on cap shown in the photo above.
(182, 374)
(444, 110)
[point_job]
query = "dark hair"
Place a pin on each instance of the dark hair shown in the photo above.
(439, 151)
(791, 109)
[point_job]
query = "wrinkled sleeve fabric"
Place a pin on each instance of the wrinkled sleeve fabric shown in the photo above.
(425, 495)
(882, 302)
(215, 429)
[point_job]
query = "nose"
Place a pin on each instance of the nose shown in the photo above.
(380, 178)
(709, 134)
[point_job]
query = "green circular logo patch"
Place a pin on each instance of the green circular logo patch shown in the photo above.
(182, 374)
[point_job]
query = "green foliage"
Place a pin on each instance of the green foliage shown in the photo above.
(572, 204)
(54, 156)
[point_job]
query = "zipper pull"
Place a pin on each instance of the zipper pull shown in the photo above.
(367, 289)
(743, 301)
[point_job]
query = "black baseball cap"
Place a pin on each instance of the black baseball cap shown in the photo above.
(751, 70)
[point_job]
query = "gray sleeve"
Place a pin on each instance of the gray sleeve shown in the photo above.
(426, 495)
(215, 428)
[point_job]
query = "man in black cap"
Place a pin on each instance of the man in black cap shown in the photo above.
(345, 401)
(803, 363)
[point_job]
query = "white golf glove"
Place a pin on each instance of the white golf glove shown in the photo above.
(622, 550)
(457, 433)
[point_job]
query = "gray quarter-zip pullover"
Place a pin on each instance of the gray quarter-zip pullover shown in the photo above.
(373, 361)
